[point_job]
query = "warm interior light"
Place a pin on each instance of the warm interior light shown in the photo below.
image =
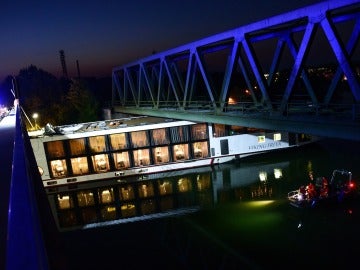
(64, 201)
(277, 137)
(277, 173)
(263, 176)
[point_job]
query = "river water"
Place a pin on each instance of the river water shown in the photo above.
(239, 222)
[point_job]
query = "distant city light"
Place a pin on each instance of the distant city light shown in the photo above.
(231, 101)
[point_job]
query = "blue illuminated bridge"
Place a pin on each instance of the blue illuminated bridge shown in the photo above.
(297, 71)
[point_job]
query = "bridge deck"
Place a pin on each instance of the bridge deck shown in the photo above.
(326, 125)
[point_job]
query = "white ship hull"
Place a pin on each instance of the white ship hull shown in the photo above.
(94, 151)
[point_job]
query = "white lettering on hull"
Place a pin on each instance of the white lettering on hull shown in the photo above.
(265, 146)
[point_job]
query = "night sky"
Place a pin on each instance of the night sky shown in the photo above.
(104, 34)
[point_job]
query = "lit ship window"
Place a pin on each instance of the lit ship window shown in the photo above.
(181, 151)
(55, 149)
(121, 160)
(146, 190)
(139, 139)
(198, 132)
(200, 149)
(261, 139)
(118, 141)
(97, 144)
(179, 134)
(184, 185)
(165, 187)
(100, 163)
(203, 182)
(77, 146)
(159, 136)
(64, 201)
(219, 130)
(277, 137)
(141, 157)
(58, 168)
(85, 198)
(127, 193)
(161, 154)
(106, 195)
(79, 165)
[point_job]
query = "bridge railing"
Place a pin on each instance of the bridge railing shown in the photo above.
(350, 111)
(337, 111)
(25, 243)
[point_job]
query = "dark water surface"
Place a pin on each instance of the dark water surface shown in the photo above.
(244, 223)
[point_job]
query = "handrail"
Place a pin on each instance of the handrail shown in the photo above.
(347, 111)
(25, 243)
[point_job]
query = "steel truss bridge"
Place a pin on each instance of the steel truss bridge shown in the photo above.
(296, 71)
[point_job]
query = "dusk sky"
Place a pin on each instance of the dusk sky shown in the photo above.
(104, 34)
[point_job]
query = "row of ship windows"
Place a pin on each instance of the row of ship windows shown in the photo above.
(80, 216)
(136, 139)
(122, 160)
(123, 141)
(85, 198)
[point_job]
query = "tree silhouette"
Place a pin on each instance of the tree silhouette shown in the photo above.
(39, 91)
(81, 104)
(57, 101)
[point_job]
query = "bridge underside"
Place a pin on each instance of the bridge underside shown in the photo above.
(329, 126)
(298, 72)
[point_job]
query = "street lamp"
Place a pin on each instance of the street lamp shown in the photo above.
(35, 116)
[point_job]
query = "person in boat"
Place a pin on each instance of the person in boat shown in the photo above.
(311, 191)
(324, 190)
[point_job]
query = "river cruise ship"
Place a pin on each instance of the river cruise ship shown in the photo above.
(139, 146)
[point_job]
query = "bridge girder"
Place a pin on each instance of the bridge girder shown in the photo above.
(241, 67)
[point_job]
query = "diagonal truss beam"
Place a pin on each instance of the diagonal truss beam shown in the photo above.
(177, 77)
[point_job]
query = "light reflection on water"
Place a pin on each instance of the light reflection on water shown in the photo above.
(245, 219)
